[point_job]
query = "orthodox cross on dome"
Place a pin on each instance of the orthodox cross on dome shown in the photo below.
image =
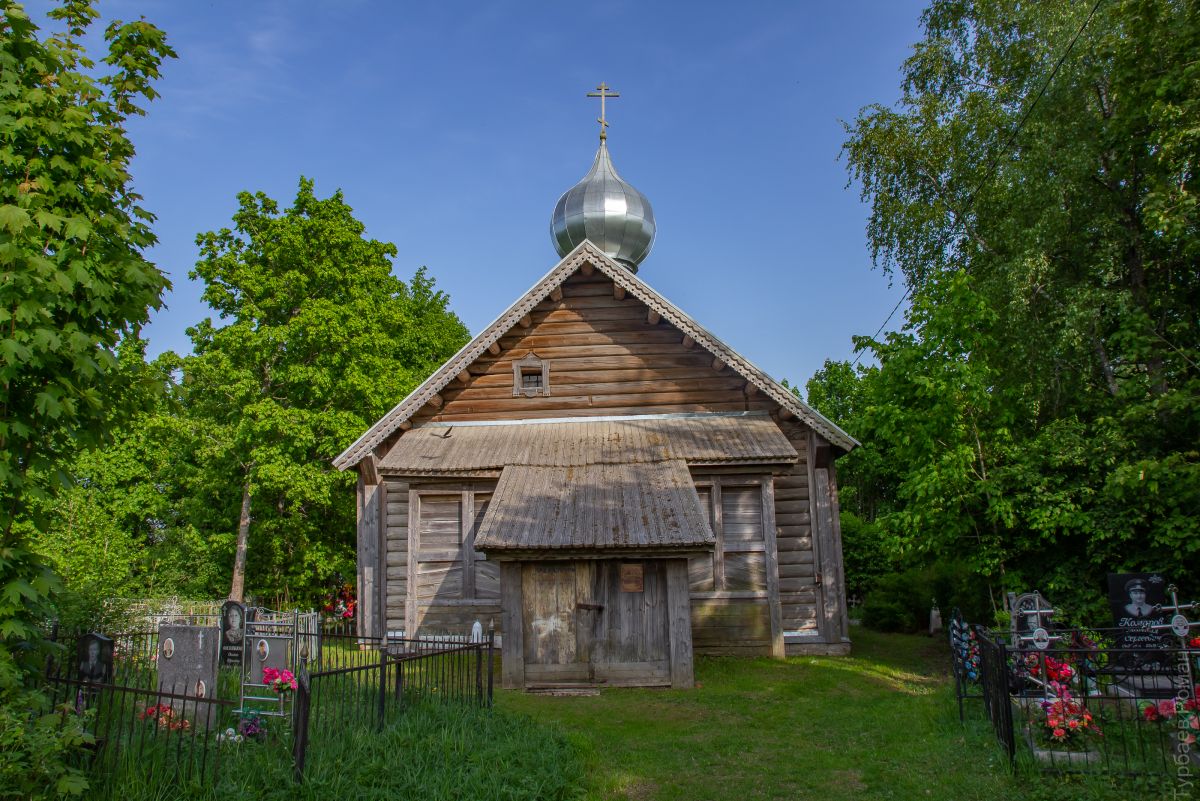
(603, 92)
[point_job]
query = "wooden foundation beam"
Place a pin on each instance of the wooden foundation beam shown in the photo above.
(526, 321)
(436, 401)
(464, 377)
(688, 342)
(718, 365)
(494, 348)
(653, 317)
(618, 292)
(556, 294)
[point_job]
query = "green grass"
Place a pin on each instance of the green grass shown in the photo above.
(882, 723)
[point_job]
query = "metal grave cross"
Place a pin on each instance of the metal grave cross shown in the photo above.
(1181, 627)
(603, 91)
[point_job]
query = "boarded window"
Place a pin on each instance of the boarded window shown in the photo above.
(738, 561)
(439, 563)
(742, 544)
(448, 565)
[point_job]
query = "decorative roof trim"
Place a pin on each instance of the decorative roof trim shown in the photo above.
(597, 418)
(583, 253)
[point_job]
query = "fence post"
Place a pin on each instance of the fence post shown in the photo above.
(478, 648)
(300, 725)
(383, 665)
(490, 660)
(1005, 711)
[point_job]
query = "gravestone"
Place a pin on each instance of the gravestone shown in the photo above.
(1030, 617)
(268, 650)
(233, 632)
(187, 665)
(1144, 654)
(94, 658)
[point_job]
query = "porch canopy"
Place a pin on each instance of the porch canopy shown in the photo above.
(618, 485)
(614, 508)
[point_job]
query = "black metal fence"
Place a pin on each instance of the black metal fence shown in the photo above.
(177, 738)
(1083, 705)
(365, 683)
(152, 735)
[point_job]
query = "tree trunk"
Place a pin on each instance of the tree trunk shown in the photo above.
(238, 588)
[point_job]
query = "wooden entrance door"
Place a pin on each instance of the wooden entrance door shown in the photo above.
(582, 624)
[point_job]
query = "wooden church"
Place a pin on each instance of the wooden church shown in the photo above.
(605, 481)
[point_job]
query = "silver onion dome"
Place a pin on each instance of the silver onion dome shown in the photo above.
(605, 209)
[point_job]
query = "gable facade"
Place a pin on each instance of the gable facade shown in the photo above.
(592, 349)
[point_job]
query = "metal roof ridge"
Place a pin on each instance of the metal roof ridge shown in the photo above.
(600, 418)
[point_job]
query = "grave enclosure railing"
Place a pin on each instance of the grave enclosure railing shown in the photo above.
(1082, 705)
(176, 736)
(371, 686)
(166, 736)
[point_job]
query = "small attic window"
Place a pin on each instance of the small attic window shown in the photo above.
(531, 376)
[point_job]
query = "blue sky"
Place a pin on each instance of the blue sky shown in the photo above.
(453, 128)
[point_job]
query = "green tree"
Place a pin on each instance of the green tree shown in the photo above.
(318, 339)
(74, 285)
(72, 235)
(1035, 189)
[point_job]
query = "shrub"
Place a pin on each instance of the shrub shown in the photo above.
(900, 602)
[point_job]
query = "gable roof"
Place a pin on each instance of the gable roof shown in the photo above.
(586, 253)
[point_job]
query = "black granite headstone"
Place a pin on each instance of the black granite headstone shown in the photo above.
(1136, 600)
(233, 632)
(94, 657)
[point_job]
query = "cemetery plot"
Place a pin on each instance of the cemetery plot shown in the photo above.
(1115, 700)
(165, 710)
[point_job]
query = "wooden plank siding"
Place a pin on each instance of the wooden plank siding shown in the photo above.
(449, 585)
(735, 601)
(606, 358)
(793, 535)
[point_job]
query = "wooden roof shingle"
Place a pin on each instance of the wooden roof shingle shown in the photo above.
(715, 438)
(634, 507)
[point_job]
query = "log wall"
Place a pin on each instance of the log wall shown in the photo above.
(606, 357)
(395, 554)
(793, 530)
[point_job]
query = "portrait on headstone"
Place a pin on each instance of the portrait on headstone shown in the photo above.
(1136, 597)
(1136, 601)
(201, 689)
(233, 632)
(262, 650)
(95, 656)
(168, 648)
